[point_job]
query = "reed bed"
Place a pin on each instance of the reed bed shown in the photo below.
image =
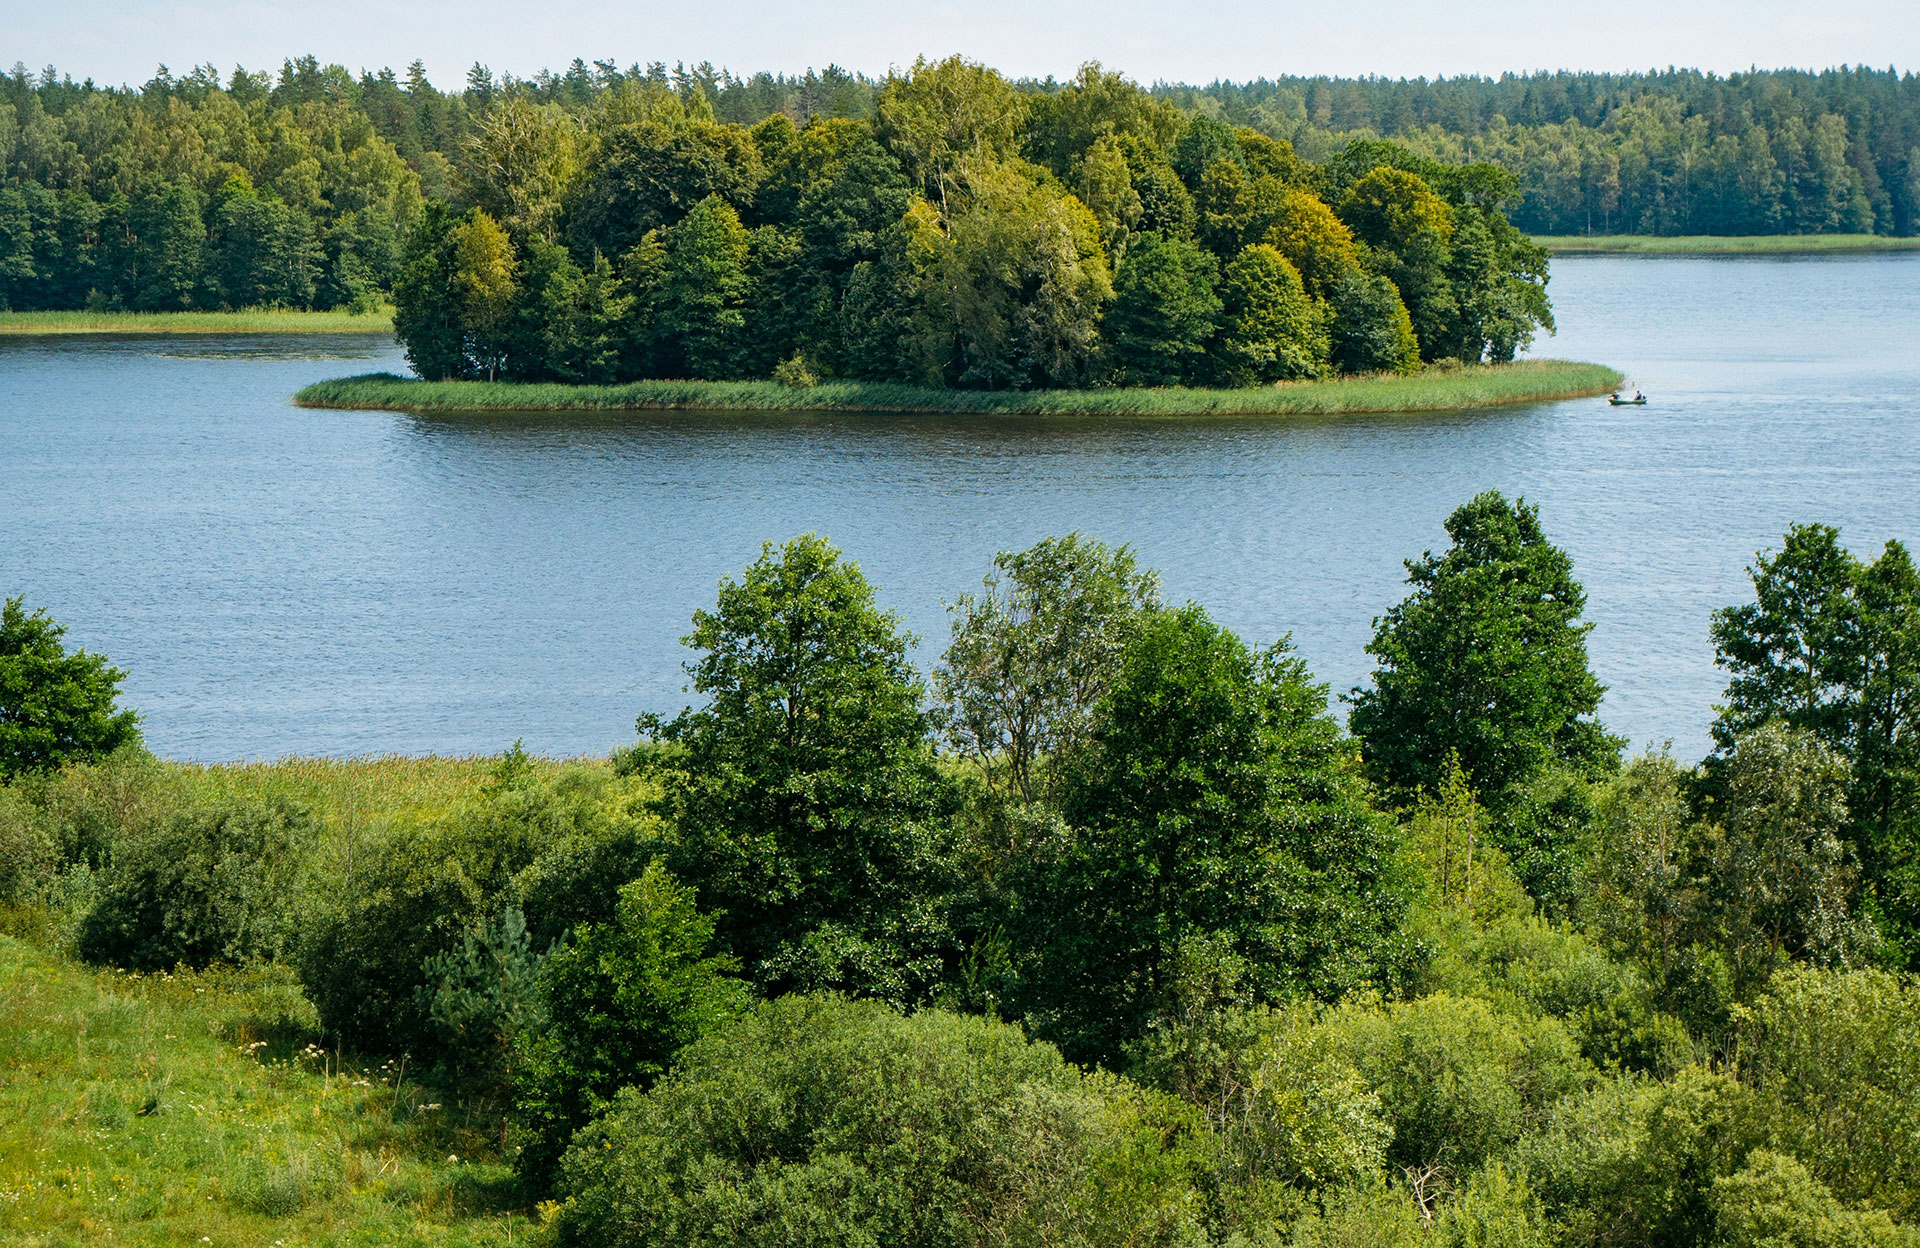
(256, 321)
(1721, 244)
(1437, 389)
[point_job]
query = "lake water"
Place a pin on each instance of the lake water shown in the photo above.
(281, 581)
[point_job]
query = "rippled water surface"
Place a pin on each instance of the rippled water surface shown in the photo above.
(279, 581)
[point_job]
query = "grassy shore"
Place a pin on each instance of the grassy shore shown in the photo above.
(261, 321)
(1720, 244)
(1436, 390)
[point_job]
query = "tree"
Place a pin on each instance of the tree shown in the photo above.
(1831, 646)
(1778, 880)
(1272, 331)
(652, 163)
(697, 306)
(1165, 312)
(1222, 844)
(811, 814)
(1033, 654)
(1407, 231)
(484, 283)
(943, 115)
(1485, 659)
(1372, 332)
(521, 159)
(454, 298)
(168, 242)
(617, 1001)
(55, 707)
(1014, 281)
(1315, 241)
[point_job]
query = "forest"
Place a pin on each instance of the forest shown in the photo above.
(301, 188)
(1105, 930)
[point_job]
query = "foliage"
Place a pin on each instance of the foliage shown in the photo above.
(615, 1002)
(205, 886)
(1165, 313)
(1484, 661)
(1033, 654)
(54, 706)
(810, 813)
(817, 1119)
(1831, 646)
(1215, 797)
(1273, 330)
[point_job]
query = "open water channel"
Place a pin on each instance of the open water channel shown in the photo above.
(278, 581)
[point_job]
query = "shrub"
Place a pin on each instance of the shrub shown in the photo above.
(1458, 1081)
(1834, 1060)
(819, 1120)
(54, 706)
(207, 886)
(1772, 1202)
(616, 1002)
(364, 957)
(28, 851)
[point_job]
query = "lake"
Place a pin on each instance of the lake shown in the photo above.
(278, 581)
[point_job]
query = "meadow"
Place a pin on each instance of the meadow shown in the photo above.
(182, 1107)
(1436, 389)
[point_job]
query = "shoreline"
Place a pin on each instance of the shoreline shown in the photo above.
(1475, 386)
(263, 321)
(1721, 244)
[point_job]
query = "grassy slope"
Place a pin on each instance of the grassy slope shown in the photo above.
(263, 321)
(162, 1109)
(1721, 244)
(1479, 386)
(172, 1109)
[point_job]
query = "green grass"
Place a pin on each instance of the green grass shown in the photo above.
(182, 1108)
(1721, 244)
(1436, 390)
(176, 1108)
(259, 321)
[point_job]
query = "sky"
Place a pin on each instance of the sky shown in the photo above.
(121, 41)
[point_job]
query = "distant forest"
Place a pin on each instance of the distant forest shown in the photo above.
(298, 188)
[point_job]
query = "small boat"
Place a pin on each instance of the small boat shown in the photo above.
(1638, 400)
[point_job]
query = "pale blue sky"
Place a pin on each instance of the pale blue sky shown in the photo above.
(121, 40)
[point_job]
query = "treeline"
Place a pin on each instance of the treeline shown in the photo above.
(1674, 152)
(969, 235)
(1107, 933)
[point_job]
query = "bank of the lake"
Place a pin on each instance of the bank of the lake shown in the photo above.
(253, 321)
(1720, 244)
(1437, 390)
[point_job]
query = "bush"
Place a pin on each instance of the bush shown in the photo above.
(819, 1120)
(203, 887)
(1459, 1082)
(1834, 1061)
(54, 706)
(1774, 1203)
(364, 957)
(1632, 1162)
(90, 805)
(28, 850)
(616, 1002)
